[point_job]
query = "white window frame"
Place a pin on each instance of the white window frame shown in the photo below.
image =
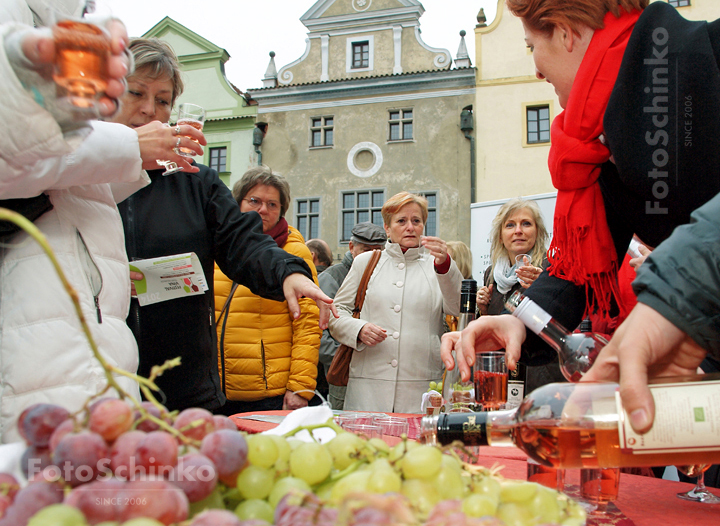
(370, 39)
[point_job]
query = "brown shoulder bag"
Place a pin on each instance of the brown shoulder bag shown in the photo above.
(339, 371)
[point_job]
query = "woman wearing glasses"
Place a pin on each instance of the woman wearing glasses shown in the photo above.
(268, 360)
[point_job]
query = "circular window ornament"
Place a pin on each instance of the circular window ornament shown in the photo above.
(361, 5)
(364, 159)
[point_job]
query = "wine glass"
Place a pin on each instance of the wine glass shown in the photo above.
(522, 260)
(490, 375)
(83, 48)
(699, 493)
(598, 487)
(170, 167)
(191, 115)
(423, 252)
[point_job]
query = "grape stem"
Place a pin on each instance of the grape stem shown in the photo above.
(311, 427)
(40, 239)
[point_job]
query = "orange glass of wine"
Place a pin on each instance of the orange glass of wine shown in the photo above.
(699, 493)
(490, 375)
(190, 115)
(81, 65)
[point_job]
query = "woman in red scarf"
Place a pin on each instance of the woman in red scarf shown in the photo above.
(267, 359)
(624, 73)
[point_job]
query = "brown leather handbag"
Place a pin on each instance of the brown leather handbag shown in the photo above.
(339, 370)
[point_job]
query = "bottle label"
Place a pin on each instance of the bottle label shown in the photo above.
(687, 418)
(516, 393)
(469, 428)
(532, 315)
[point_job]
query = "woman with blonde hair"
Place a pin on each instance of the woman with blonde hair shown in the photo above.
(517, 254)
(517, 230)
(397, 337)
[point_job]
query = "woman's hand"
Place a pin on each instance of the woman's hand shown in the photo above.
(158, 142)
(293, 401)
(646, 345)
(482, 298)
(436, 247)
(371, 334)
(298, 285)
(527, 274)
(637, 262)
(134, 276)
(488, 333)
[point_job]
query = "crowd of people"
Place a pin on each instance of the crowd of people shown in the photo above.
(277, 307)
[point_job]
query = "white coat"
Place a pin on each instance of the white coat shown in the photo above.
(407, 298)
(44, 355)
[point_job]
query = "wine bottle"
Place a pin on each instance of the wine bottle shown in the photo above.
(576, 351)
(456, 393)
(567, 425)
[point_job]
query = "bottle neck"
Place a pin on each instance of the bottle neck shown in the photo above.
(488, 428)
(540, 322)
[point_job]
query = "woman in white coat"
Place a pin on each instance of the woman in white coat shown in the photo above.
(44, 356)
(397, 337)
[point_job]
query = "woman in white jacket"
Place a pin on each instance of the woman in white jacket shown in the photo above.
(44, 356)
(397, 337)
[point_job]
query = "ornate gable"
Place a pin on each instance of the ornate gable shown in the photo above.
(350, 39)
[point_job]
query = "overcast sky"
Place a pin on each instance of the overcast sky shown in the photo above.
(250, 29)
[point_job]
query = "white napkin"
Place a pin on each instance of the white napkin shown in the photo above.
(10, 455)
(303, 417)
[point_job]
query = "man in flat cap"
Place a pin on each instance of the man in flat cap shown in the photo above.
(365, 237)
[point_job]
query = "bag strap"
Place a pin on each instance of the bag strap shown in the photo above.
(362, 288)
(227, 302)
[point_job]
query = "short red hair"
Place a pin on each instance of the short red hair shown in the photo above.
(396, 202)
(543, 16)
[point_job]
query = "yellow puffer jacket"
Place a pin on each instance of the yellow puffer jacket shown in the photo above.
(264, 352)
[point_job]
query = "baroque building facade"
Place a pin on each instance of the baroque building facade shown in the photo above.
(369, 110)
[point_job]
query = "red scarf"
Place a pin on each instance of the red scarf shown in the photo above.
(582, 250)
(280, 232)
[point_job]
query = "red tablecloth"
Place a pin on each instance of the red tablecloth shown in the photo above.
(642, 501)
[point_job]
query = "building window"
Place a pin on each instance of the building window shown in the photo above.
(679, 3)
(307, 218)
(401, 125)
(538, 124)
(321, 132)
(360, 54)
(218, 159)
(431, 227)
(358, 207)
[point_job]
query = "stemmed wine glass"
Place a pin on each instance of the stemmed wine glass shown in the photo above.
(423, 252)
(699, 493)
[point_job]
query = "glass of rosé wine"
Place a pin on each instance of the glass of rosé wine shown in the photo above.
(699, 493)
(490, 375)
(190, 115)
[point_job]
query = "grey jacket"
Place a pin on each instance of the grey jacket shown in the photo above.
(681, 278)
(330, 281)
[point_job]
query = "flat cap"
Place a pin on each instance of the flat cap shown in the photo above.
(368, 234)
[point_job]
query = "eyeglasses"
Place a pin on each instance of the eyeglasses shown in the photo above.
(256, 204)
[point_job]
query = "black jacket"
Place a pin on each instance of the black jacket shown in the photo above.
(662, 125)
(183, 213)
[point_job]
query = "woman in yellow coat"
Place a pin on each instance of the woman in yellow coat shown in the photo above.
(267, 359)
